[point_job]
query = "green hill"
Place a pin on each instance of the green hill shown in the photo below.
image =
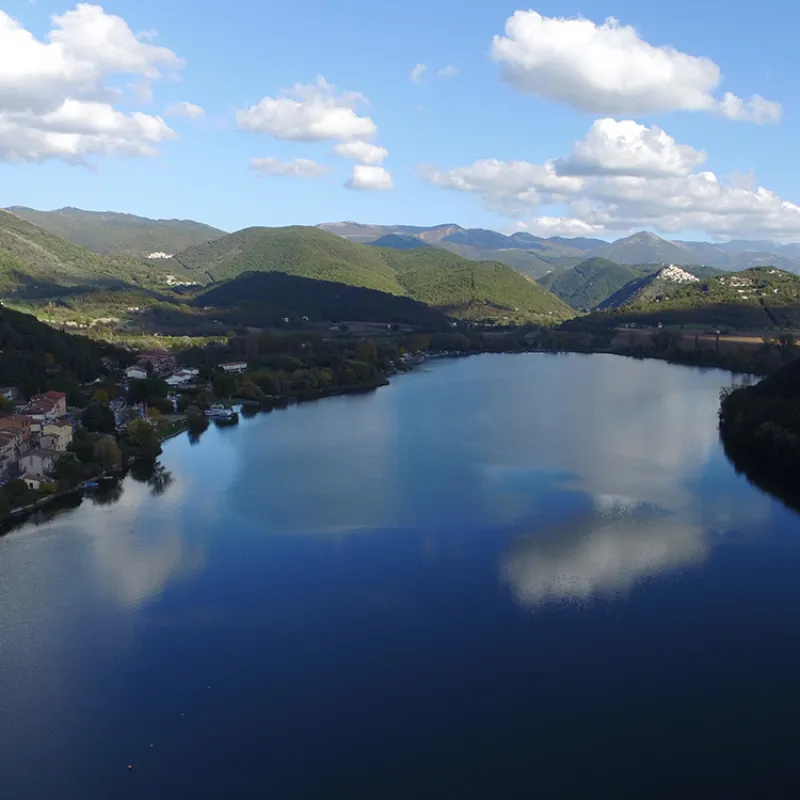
(36, 264)
(443, 280)
(753, 299)
(589, 283)
(262, 298)
(107, 232)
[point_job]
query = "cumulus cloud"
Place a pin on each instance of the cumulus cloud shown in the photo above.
(307, 113)
(367, 178)
(627, 148)
(296, 168)
(557, 226)
(418, 72)
(363, 152)
(610, 69)
(55, 98)
(622, 177)
(185, 109)
(448, 72)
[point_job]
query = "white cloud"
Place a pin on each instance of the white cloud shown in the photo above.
(296, 168)
(313, 112)
(363, 152)
(609, 69)
(55, 100)
(185, 109)
(627, 148)
(448, 72)
(631, 178)
(370, 179)
(417, 73)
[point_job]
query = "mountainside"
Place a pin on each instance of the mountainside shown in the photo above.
(586, 285)
(644, 248)
(399, 241)
(258, 298)
(107, 232)
(454, 285)
(755, 299)
(34, 263)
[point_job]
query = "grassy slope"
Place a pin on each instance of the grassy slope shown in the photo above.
(120, 234)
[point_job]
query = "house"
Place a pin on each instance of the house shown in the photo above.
(19, 423)
(42, 410)
(136, 373)
(58, 399)
(234, 366)
(10, 445)
(39, 461)
(183, 377)
(61, 431)
(36, 482)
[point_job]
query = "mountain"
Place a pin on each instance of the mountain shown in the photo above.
(34, 263)
(760, 298)
(586, 285)
(644, 248)
(537, 256)
(399, 241)
(106, 232)
(257, 298)
(443, 280)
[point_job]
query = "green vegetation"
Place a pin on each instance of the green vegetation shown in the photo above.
(586, 285)
(106, 232)
(761, 298)
(263, 298)
(760, 425)
(36, 264)
(36, 358)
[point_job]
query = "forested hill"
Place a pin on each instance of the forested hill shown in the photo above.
(107, 232)
(442, 280)
(259, 298)
(36, 357)
(753, 299)
(34, 263)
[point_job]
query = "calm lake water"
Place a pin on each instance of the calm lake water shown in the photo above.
(502, 576)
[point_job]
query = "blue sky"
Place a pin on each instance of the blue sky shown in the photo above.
(491, 146)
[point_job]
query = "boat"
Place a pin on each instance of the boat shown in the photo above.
(221, 413)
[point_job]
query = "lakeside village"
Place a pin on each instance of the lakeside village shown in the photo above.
(49, 448)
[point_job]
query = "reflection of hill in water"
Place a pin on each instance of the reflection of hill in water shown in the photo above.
(778, 482)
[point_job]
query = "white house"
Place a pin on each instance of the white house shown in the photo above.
(234, 366)
(136, 373)
(39, 461)
(35, 482)
(183, 377)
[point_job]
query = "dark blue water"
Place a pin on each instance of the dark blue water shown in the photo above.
(503, 576)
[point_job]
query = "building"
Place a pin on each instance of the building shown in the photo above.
(234, 366)
(13, 394)
(183, 377)
(39, 461)
(41, 411)
(57, 399)
(20, 423)
(61, 431)
(136, 373)
(36, 482)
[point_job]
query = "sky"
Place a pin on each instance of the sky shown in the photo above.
(585, 119)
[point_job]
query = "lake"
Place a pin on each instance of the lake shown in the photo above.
(501, 576)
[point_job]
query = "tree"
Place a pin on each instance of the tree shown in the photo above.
(224, 384)
(140, 391)
(100, 396)
(98, 417)
(141, 436)
(108, 454)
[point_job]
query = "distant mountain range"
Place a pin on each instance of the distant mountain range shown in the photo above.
(536, 256)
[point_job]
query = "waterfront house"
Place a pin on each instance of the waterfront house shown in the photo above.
(36, 482)
(61, 431)
(57, 399)
(234, 366)
(39, 461)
